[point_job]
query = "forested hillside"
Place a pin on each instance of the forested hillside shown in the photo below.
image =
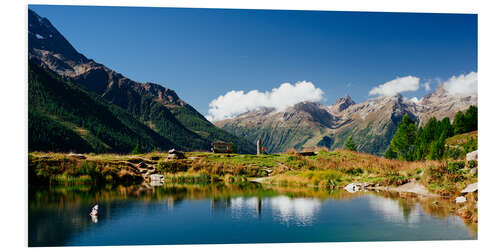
(64, 117)
(430, 141)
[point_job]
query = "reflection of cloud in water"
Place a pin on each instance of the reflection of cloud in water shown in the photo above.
(243, 207)
(299, 210)
(393, 211)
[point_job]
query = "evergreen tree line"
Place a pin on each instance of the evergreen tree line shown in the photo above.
(428, 142)
(62, 117)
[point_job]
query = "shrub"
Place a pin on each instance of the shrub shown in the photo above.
(472, 164)
(455, 166)
(86, 168)
(354, 171)
(172, 166)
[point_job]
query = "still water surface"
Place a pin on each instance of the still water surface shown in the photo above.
(190, 214)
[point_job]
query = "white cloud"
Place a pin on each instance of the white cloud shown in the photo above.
(415, 99)
(427, 86)
(398, 85)
(462, 84)
(236, 102)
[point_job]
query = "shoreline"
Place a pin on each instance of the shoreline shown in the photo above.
(324, 169)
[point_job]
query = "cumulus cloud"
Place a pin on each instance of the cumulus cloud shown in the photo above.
(398, 85)
(462, 84)
(236, 102)
(415, 99)
(427, 86)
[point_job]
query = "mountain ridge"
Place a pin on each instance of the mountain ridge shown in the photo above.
(159, 108)
(372, 123)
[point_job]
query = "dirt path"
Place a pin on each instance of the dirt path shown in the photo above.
(411, 187)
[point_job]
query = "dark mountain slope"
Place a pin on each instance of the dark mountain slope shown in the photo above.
(157, 107)
(64, 117)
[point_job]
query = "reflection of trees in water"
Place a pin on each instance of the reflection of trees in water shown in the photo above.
(56, 214)
(440, 207)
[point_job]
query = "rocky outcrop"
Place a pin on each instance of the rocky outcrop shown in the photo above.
(471, 156)
(341, 104)
(175, 154)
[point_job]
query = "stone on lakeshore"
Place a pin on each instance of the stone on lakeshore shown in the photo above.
(174, 154)
(78, 156)
(471, 156)
(460, 199)
(473, 170)
(471, 188)
(156, 178)
(351, 188)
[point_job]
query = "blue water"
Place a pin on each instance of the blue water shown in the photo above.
(186, 216)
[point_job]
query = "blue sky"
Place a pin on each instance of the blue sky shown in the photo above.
(204, 53)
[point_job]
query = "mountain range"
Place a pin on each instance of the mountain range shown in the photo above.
(372, 123)
(77, 104)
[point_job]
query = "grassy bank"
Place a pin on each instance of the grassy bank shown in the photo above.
(326, 169)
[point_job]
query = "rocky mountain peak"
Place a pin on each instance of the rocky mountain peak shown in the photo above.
(48, 48)
(45, 41)
(342, 104)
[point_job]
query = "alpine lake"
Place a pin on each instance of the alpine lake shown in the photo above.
(222, 213)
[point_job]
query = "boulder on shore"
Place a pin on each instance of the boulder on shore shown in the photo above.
(460, 199)
(473, 170)
(357, 186)
(175, 154)
(352, 188)
(78, 156)
(156, 178)
(471, 188)
(471, 156)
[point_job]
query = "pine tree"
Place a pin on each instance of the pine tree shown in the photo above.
(459, 123)
(137, 150)
(446, 127)
(471, 119)
(403, 142)
(350, 144)
(437, 148)
(390, 154)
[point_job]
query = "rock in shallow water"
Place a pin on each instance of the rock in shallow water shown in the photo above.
(460, 199)
(351, 188)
